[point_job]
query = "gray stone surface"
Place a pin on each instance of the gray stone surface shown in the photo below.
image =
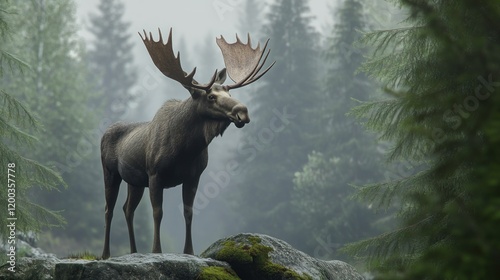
(137, 266)
(36, 268)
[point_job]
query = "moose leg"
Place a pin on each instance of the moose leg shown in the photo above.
(134, 196)
(111, 187)
(188, 193)
(156, 196)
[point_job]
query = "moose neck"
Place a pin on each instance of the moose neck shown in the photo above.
(192, 128)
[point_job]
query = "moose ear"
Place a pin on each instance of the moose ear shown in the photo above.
(221, 76)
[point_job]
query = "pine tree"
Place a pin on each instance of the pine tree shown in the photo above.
(274, 144)
(59, 92)
(19, 173)
(346, 155)
(111, 58)
(441, 71)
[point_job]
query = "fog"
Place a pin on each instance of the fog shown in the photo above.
(346, 156)
(288, 173)
(193, 23)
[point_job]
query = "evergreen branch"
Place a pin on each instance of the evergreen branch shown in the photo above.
(12, 61)
(383, 39)
(42, 175)
(32, 217)
(31, 170)
(379, 120)
(4, 25)
(398, 187)
(17, 111)
(44, 216)
(14, 135)
(402, 245)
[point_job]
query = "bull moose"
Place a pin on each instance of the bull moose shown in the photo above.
(172, 148)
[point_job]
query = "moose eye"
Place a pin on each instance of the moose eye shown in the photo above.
(211, 97)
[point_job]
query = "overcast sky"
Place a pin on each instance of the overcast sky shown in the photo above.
(194, 17)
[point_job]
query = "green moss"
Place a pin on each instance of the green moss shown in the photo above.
(252, 261)
(237, 254)
(216, 273)
(85, 255)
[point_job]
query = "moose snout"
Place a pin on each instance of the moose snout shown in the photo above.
(240, 115)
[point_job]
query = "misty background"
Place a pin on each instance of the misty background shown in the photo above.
(290, 173)
(373, 139)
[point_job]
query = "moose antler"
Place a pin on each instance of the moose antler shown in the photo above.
(164, 58)
(242, 61)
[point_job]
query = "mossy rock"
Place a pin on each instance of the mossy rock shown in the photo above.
(250, 259)
(217, 273)
(259, 256)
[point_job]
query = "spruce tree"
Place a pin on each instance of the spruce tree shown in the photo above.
(441, 70)
(345, 155)
(111, 58)
(274, 144)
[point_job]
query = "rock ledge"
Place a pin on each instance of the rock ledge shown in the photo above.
(242, 256)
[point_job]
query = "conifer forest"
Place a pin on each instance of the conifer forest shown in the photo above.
(374, 139)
